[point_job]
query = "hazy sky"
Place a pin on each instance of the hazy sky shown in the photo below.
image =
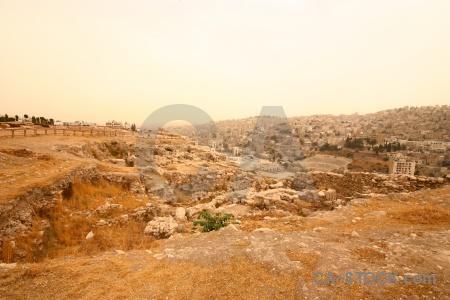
(103, 60)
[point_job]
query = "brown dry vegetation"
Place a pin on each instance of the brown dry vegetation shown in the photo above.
(424, 213)
(67, 231)
(308, 260)
(429, 215)
(369, 254)
(107, 167)
(90, 195)
(281, 223)
(364, 161)
(66, 236)
(139, 276)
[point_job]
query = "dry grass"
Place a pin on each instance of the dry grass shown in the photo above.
(66, 236)
(369, 165)
(410, 210)
(242, 244)
(108, 167)
(67, 231)
(411, 291)
(139, 276)
(309, 262)
(370, 255)
(125, 237)
(7, 252)
(64, 232)
(90, 195)
(292, 224)
(428, 215)
(18, 152)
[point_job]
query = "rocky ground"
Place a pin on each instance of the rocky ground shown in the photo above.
(93, 226)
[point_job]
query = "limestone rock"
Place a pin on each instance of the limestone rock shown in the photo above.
(161, 227)
(90, 235)
(180, 214)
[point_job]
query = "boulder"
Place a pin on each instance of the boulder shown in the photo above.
(90, 235)
(276, 185)
(161, 227)
(180, 214)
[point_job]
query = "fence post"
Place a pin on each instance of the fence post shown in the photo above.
(12, 133)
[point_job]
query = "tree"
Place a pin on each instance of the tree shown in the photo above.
(389, 147)
(38, 120)
(328, 147)
(33, 119)
(6, 117)
(211, 223)
(25, 116)
(354, 144)
(17, 118)
(376, 150)
(371, 141)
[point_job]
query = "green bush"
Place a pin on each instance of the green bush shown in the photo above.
(210, 223)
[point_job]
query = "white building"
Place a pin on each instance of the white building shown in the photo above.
(402, 166)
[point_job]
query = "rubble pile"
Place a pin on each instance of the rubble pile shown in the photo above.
(357, 183)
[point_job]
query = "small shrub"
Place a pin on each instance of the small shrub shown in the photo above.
(210, 223)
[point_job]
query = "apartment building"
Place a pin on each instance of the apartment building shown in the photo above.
(402, 165)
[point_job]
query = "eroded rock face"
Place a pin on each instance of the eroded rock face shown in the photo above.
(17, 215)
(161, 227)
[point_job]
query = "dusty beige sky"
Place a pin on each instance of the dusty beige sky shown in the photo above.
(104, 60)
